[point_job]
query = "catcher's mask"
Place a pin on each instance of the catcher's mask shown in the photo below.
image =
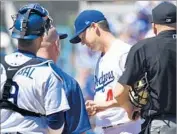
(31, 22)
(139, 93)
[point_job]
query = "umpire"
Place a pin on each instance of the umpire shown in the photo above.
(154, 60)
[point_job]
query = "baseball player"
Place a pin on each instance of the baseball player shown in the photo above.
(31, 101)
(77, 120)
(92, 29)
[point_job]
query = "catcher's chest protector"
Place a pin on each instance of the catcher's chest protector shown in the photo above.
(10, 72)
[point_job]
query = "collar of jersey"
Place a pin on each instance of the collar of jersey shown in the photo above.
(109, 50)
(26, 53)
(167, 33)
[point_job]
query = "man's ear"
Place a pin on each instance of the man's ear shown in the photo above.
(45, 44)
(154, 28)
(55, 46)
(51, 36)
(94, 25)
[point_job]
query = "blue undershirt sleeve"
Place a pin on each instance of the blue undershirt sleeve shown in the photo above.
(56, 120)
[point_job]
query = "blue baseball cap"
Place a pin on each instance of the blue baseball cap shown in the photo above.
(83, 21)
(31, 22)
(35, 28)
(35, 22)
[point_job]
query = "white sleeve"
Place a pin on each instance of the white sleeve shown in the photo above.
(55, 98)
(122, 62)
(2, 79)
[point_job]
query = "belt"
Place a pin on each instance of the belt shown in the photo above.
(13, 133)
(112, 126)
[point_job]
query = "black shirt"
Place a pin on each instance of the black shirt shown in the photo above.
(157, 57)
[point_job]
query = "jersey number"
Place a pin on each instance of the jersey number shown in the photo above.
(14, 93)
(109, 95)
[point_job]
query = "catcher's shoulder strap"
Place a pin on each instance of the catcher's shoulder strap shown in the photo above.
(10, 72)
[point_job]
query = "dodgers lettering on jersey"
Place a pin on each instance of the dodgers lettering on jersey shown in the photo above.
(108, 70)
(104, 80)
(33, 90)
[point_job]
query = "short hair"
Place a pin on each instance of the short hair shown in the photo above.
(104, 25)
(171, 25)
(25, 42)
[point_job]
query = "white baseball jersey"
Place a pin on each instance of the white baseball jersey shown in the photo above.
(38, 90)
(109, 68)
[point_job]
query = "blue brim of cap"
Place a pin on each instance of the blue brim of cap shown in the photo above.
(32, 37)
(75, 39)
(62, 35)
(29, 37)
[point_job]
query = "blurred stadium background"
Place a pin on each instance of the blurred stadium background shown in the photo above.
(129, 21)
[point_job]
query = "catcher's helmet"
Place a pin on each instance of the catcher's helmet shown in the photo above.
(30, 22)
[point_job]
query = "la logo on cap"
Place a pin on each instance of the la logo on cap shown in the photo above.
(87, 22)
(74, 28)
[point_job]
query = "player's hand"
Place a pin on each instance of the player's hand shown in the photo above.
(101, 106)
(132, 111)
(136, 115)
(91, 110)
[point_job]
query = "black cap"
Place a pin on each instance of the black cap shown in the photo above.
(164, 13)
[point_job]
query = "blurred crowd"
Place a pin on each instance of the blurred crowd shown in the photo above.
(131, 27)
